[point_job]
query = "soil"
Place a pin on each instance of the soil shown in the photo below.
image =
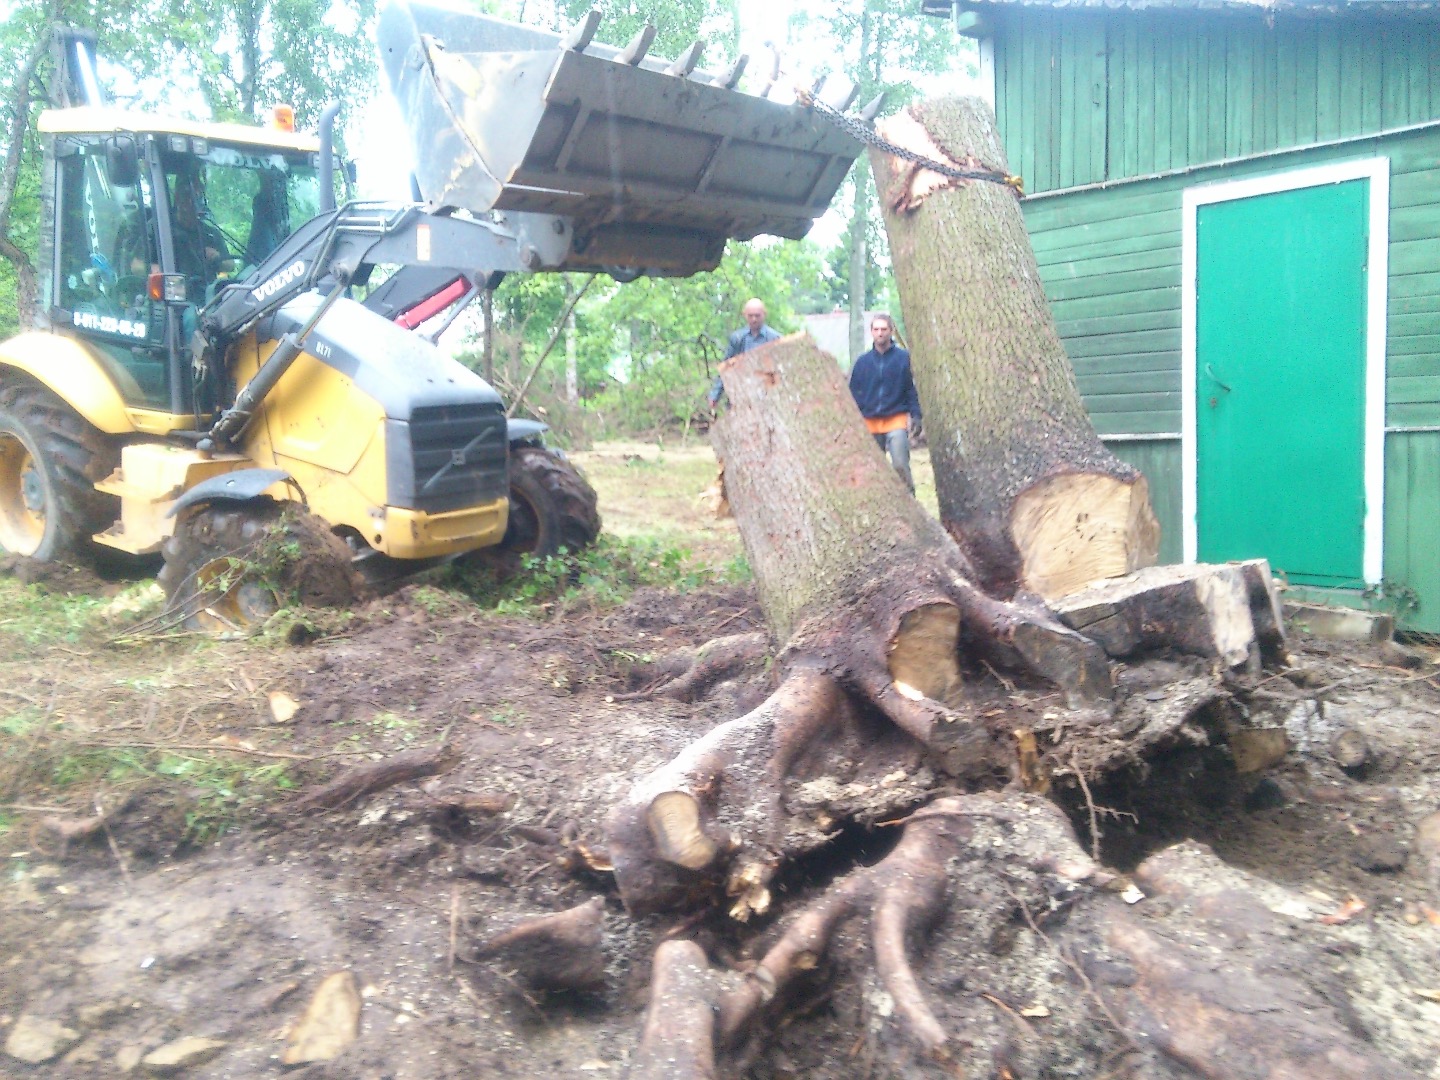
(133, 937)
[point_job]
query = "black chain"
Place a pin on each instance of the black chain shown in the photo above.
(866, 134)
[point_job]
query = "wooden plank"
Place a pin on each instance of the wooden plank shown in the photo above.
(1415, 222)
(1402, 306)
(1075, 269)
(1287, 84)
(1307, 89)
(1093, 207)
(1094, 387)
(1168, 238)
(1099, 100)
(1328, 80)
(1412, 509)
(1063, 48)
(1216, 96)
(1406, 286)
(1136, 423)
(1094, 366)
(1394, 46)
(1239, 88)
(1417, 73)
(1413, 389)
(1165, 79)
(1413, 324)
(1414, 257)
(1417, 345)
(1419, 366)
(1175, 117)
(1124, 322)
(1369, 72)
(1088, 307)
(1125, 35)
(1134, 281)
(1412, 153)
(1267, 82)
(1046, 133)
(1420, 188)
(1426, 414)
(1119, 346)
(1135, 403)
(1146, 91)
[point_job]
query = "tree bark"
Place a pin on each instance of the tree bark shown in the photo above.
(1024, 483)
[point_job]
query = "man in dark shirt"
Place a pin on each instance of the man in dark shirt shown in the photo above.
(750, 336)
(883, 389)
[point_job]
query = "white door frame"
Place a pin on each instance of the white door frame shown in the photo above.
(1377, 171)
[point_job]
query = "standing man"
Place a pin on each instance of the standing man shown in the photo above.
(882, 387)
(750, 336)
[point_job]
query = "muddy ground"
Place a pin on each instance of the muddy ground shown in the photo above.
(134, 936)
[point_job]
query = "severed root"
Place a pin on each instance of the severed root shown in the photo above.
(364, 780)
(555, 952)
(679, 1036)
(678, 832)
(704, 667)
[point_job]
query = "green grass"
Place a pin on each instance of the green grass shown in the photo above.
(601, 576)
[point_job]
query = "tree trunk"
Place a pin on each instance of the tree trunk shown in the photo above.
(1024, 483)
(867, 595)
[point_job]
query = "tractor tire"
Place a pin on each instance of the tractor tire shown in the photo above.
(50, 461)
(230, 566)
(551, 505)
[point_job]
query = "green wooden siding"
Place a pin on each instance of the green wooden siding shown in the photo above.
(1110, 260)
(1159, 460)
(1086, 97)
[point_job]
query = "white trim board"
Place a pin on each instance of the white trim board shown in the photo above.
(1377, 171)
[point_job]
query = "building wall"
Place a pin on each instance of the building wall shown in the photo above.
(1083, 97)
(1111, 262)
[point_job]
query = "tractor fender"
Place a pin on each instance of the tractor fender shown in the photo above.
(242, 485)
(521, 431)
(71, 370)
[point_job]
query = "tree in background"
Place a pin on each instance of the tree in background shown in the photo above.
(171, 56)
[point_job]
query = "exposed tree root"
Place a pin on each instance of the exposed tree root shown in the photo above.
(1201, 980)
(554, 952)
(687, 675)
(361, 780)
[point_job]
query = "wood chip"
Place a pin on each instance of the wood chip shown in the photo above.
(283, 707)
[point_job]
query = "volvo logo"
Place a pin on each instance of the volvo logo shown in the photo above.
(266, 289)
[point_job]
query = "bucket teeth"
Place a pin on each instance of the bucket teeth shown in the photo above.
(873, 109)
(731, 78)
(687, 60)
(638, 47)
(582, 33)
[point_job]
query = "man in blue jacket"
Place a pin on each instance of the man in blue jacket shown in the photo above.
(883, 389)
(750, 336)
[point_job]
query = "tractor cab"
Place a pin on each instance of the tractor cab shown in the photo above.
(152, 218)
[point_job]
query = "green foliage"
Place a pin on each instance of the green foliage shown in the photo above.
(600, 576)
(647, 350)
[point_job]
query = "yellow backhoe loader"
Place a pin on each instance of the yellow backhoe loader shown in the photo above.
(229, 357)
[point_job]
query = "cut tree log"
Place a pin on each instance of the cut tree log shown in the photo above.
(1024, 484)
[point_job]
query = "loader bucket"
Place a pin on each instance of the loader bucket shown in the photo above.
(654, 168)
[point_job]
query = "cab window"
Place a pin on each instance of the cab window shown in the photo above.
(105, 250)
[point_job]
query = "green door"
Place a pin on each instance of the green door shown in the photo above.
(1280, 381)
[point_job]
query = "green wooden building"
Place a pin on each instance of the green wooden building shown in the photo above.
(1236, 211)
